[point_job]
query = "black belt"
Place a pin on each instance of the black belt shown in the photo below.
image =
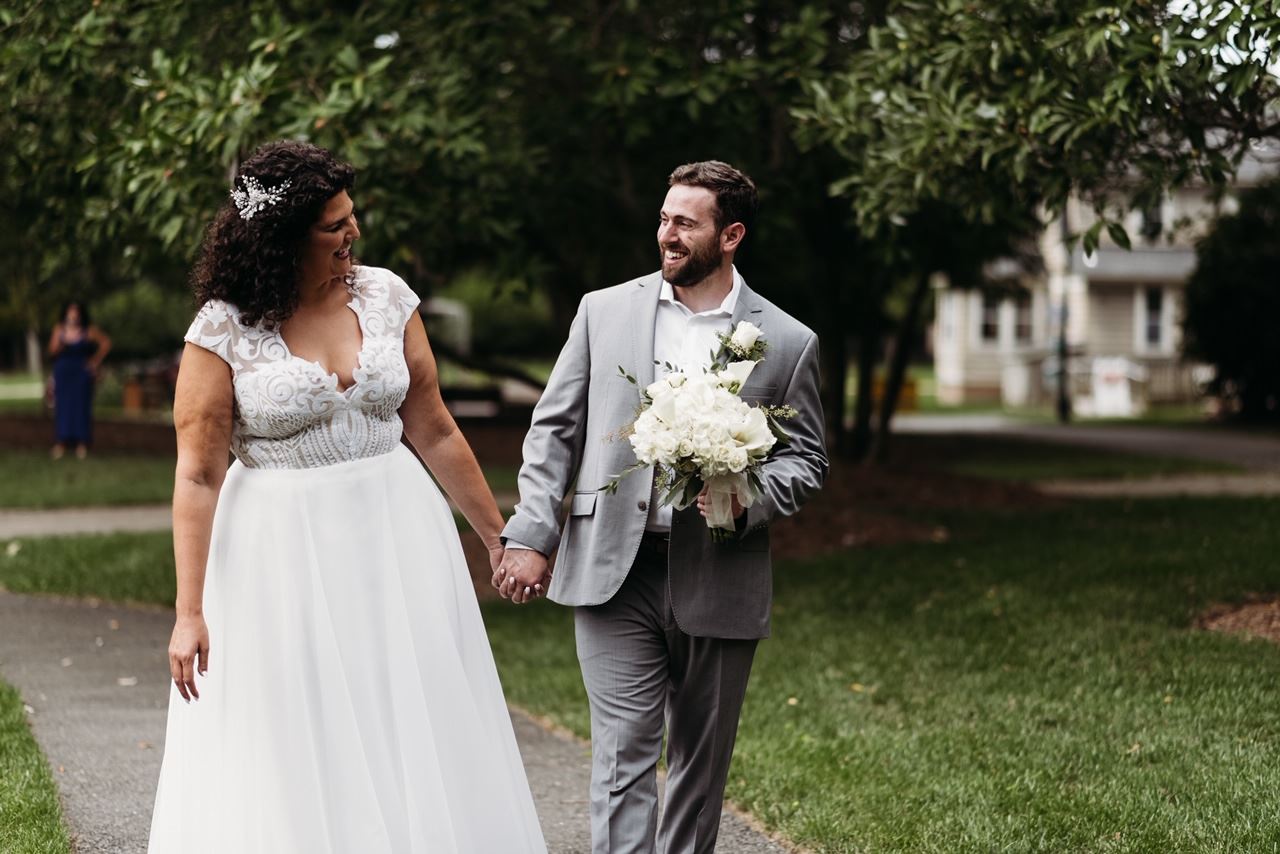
(655, 543)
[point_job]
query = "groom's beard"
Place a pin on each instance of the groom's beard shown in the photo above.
(702, 261)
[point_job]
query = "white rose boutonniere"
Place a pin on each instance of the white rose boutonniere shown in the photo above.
(744, 337)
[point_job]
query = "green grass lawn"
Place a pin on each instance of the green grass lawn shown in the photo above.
(30, 816)
(1031, 685)
(31, 479)
(1021, 460)
(124, 567)
(1034, 683)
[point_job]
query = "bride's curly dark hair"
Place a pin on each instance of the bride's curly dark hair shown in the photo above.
(252, 263)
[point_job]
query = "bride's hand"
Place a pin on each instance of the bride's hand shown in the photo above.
(190, 641)
(496, 552)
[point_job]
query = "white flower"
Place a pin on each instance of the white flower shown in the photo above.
(745, 335)
(735, 374)
(753, 432)
(666, 385)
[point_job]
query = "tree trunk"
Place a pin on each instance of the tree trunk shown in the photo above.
(864, 406)
(33, 350)
(898, 366)
(835, 370)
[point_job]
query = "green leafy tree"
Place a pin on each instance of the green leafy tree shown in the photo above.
(526, 139)
(972, 103)
(1114, 102)
(1233, 300)
(127, 119)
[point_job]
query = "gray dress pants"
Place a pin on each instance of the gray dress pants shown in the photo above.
(640, 668)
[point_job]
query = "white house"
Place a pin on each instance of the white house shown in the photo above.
(1123, 313)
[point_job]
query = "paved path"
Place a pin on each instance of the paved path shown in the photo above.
(108, 520)
(1190, 485)
(1249, 451)
(84, 520)
(95, 679)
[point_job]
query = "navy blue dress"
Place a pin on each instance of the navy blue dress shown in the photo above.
(73, 393)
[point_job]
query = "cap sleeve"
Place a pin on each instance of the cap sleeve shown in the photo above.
(214, 329)
(388, 302)
(403, 300)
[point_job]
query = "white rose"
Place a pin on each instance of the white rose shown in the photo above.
(666, 385)
(738, 460)
(745, 336)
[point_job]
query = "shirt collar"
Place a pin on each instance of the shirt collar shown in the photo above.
(667, 294)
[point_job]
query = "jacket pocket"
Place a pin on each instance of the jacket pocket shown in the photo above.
(759, 393)
(583, 504)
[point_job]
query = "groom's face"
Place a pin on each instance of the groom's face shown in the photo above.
(688, 240)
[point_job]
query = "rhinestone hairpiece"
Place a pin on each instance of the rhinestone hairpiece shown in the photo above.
(254, 197)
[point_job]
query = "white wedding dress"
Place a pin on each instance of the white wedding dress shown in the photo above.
(352, 705)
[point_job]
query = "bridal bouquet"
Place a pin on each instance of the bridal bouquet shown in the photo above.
(698, 433)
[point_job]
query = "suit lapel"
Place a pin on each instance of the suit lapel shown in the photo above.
(643, 320)
(749, 308)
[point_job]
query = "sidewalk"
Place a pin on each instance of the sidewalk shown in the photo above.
(1251, 452)
(1169, 486)
(95, 678)
(109, 520)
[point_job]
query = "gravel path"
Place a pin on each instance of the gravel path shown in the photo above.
(95, 680)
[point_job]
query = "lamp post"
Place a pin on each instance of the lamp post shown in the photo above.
(1064, 377)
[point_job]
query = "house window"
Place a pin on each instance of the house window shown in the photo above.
(1022, 317)
(1154, 327)
(990, 317)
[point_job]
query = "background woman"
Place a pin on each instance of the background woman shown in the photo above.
(77, 348)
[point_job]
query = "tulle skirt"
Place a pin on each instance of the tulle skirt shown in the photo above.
(352, 704)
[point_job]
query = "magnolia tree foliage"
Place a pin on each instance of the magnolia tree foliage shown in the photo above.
(532, 138)
(1114, 100)
(125, 120)
(526, 135)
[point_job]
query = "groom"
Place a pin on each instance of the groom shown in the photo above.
(666, 620)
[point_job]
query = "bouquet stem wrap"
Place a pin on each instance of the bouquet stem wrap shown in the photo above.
(721, 491)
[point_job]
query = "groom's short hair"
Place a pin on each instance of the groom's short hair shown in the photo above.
(736, 199)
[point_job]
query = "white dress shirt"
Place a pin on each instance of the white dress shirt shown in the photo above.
(687, 341)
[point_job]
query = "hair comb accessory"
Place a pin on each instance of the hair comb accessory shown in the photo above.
(254, 197)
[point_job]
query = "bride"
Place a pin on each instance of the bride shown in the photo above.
(334, 690)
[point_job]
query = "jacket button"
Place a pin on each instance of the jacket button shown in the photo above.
(643, 505)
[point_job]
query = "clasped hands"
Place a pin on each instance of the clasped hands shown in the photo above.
(520, 574)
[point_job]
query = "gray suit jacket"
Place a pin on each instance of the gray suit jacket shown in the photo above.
(722, 590)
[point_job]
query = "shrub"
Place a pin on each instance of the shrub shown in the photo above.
(1233, 303)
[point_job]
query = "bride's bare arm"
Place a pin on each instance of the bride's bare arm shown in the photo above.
(435, 435)
(202, 411)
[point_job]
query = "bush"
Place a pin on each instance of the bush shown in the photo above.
(507, 317)
(144, 320)
(1233, 303)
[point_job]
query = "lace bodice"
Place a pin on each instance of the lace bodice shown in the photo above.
(289, 412)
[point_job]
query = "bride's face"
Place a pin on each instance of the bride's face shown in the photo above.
(326, 254)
